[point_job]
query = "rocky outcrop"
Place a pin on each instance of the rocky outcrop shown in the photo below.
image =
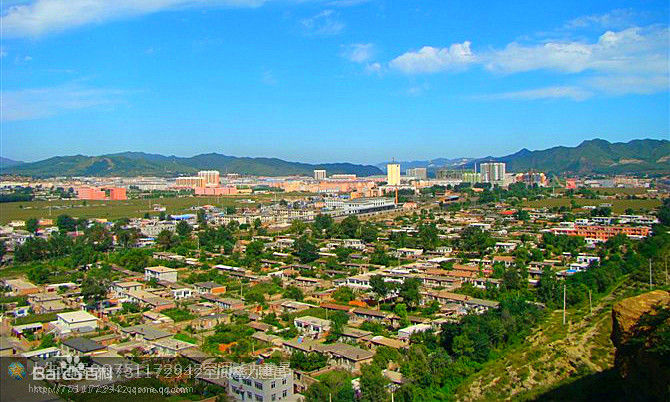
(640, 330)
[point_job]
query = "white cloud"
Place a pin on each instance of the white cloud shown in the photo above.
(37, 103)
(268, 78)
(569, 92)
(41, 17)
(373, 68)
(324, 23)
(431, 60)
(630, 84)
(358, 52)
(417, 90)
(632, 60)
(633, 50)
(615, 19)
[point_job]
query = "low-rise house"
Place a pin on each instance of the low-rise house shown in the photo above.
(211, 288)
(312, 326)
(210, 321)
(21, 287)
(156, 318)
(406, 333)
(145, 332)
(506, 260)
(170, 347)
(292, 306)
(226, 303)
(122, 288)
(370, 315)
(75, 322)
(160, 273)
(44, 354)
(306, 282)
(201, 309)
(80, 346)
(408, 252)
(346, 356)
(353, 334)
(378, 340)
(148, 299)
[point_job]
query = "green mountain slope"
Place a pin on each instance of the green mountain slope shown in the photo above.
(596, 156)
(142, 164)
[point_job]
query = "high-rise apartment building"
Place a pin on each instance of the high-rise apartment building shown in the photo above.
(471, 177)
(319, 174)
(210, 177)
(393, 174)
(419, 173)
(492, 172)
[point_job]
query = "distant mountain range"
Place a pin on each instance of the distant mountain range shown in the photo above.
(143, 164)
(590, 157)
(4, 162)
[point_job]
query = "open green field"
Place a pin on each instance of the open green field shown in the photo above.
(612, 190)
(618, 206)
(133, 208)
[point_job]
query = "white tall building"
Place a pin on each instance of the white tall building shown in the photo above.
(393, 174)
(493, 172)
(319, 174)
(210, 177)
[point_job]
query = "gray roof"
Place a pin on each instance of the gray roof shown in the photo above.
(148, 332)
(83, 345)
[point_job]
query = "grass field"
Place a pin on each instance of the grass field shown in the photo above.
(612, 190)
(618, 206)
(133, 208)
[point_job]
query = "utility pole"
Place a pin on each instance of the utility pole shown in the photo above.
(666, 270)
(564, 303)
(650, 281)
(590, 306)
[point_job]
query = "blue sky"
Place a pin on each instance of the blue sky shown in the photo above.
(330, 80)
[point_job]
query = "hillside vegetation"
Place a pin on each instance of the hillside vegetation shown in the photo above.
(142, 164)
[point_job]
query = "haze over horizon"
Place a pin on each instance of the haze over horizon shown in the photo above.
(359, 81)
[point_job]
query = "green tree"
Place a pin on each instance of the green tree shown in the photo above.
(343, 294)
(379, 256)
(305, 250)
(373, 384)
(548, 288)
(379, 287)
(32, 225)
(298, 227)
(183, 228)
(99, 238)
(66, 223)
(369, 232)
(323, 222)
(409, 291)
(254, 249)
(475, 239)
(349, 227)
(293, 292)
(166, 239)
(94, 289)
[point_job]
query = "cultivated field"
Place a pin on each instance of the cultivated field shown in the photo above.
(618, 206)
(133, 208)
